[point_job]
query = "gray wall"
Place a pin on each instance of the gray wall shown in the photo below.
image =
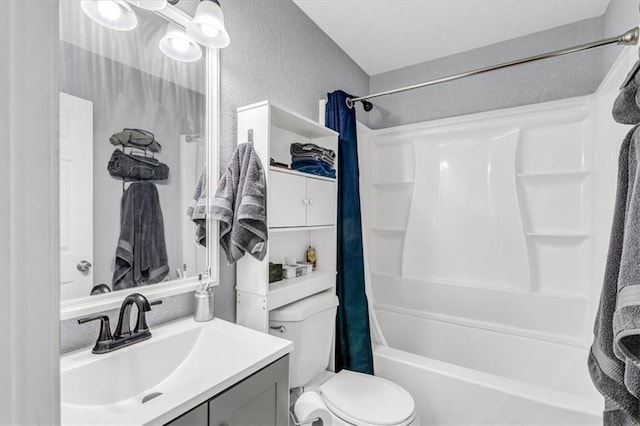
(547, 80)
(621, 15)
(75, 336)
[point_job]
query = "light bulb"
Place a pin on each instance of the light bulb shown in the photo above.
(180, 44)
(209, 30)
(109, 9)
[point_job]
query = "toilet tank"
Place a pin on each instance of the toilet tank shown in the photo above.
(309, 323)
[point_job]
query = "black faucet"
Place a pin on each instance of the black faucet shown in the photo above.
(123, 335)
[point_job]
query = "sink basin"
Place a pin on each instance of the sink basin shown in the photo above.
(106, 379)
(184, 364)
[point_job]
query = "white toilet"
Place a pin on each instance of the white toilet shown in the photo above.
(346, 398)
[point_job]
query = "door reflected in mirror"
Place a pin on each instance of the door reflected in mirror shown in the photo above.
(132, 152)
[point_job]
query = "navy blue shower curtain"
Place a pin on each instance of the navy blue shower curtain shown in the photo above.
(353, 339)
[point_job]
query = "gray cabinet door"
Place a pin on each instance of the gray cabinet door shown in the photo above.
(260, 400)
(199, 416)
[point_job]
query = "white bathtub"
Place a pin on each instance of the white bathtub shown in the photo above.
(462, 375)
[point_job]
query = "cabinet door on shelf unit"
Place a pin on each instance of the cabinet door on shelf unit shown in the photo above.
(286, 200)
(321, 202)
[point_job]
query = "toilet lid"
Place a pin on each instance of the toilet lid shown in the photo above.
(363, 399)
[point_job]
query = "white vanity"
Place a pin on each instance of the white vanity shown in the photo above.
(207, 373)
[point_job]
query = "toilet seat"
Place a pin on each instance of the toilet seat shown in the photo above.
(364, 400)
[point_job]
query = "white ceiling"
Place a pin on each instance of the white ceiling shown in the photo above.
(383, 35)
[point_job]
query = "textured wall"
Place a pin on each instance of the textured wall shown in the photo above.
(542, 81)
(75, 336)
(621, 15)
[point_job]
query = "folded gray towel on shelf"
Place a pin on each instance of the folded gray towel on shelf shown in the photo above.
(197, 209)
(240, 205)
(141, 255)
(136, 167)
(313, 156)
(614, 359)
(318, 152)
(136, 138)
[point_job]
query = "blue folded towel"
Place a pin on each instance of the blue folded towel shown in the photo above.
(314, 167)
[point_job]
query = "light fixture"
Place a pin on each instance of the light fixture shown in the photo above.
(149, 4)
(207, 26)
(177, 45)
(114, 14)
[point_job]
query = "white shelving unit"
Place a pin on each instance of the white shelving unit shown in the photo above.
(301, 211)
(297, 173)
(300, 228)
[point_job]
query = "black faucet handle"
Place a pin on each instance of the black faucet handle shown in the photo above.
(141, 324)
(105, 327)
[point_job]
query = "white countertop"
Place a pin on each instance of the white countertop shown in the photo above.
(223, 354)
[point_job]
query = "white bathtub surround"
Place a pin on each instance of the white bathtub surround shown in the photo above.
(487, 236)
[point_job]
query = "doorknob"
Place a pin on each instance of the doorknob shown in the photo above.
(83, 266)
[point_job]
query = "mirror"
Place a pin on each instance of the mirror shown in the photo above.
(133, 147)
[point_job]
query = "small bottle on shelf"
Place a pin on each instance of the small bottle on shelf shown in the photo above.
(312, 256)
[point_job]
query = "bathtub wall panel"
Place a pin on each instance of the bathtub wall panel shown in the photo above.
(486, 218)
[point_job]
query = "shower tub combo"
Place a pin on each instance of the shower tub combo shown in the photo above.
(486, 237)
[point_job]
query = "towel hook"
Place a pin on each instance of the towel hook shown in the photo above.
(250, 136)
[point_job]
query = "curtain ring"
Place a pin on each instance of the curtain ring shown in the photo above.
(349, 103)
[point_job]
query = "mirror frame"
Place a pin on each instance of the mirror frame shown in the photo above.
(74, 308)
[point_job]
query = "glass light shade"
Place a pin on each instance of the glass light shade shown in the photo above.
(149, 4)
(177, 45)
(113, 14)
(207, 26)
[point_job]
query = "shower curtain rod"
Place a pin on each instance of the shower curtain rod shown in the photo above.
(628, 38)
